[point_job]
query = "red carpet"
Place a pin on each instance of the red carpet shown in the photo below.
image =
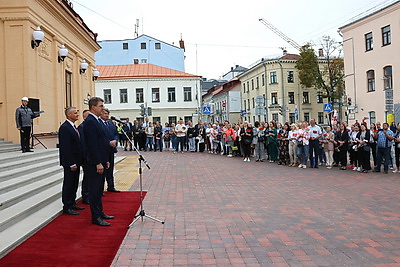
(75, 241)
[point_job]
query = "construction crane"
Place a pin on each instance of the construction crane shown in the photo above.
(280, 34)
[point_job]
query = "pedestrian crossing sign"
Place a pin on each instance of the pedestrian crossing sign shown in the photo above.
(206, 110)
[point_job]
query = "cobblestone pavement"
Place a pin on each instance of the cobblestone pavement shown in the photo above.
(222, 211)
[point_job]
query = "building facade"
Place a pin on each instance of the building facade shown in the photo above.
(170, 94)
(224, 102)
(271, 90)
(35, 71)
(141, 50)
(372, 60)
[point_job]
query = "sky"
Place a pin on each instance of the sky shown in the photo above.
(220, 34)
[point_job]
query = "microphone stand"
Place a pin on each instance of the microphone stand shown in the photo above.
(141, 159)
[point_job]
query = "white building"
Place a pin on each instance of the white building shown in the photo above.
(169, 93)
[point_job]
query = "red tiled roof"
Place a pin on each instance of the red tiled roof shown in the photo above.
(138, 71)
(291, 56)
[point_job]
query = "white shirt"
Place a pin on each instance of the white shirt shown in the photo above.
(315, 131)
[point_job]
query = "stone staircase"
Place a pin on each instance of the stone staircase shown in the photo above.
(30, 194)
(6, 146)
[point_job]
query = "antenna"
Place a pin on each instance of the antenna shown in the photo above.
(137, 28)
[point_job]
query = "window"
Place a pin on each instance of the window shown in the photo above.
(320, 118)
(156, 119)
(125, 46)
(290, 77)
(369, 42)
(244, 88)
(263, 80)
(142, 45)
(274, 98)
(68, 89)
(292, 118)
(257, 83)
(306, 98)
(320, 97)
(244, 106)
(272, 77)
(387, 78)
(187, 93)
(306, 116)
(386, 38)
(252, 84)
(275, 117)
(371, 80)
(107, 96)
(171, 94)
(291, 97)
(155, 94)
(372, 117)
(123, 95)
(253, 103)
(143, 61)
(248, 86)
(171, 119)
(248, 104)
(139, 95)
(186, 119)
(157, 46)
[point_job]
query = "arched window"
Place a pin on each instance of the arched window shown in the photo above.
(371, 80)
(387, 78)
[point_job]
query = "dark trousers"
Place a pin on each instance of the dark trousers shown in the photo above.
(25, 135)
(397, 155)
(314, 151)
(342, 157)
(136, 139)
(383, 155)
(180, 143)
(85, 185)
(96, 186)
(109, 173)
(69, 187)
(246, 150)
(158, 144)
(365, 157)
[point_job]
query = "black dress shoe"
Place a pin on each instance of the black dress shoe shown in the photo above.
(85, 202)
(100, 221)
(70, 212)
(28, 150)
(106, 217)
(76, 207)
(113, 190)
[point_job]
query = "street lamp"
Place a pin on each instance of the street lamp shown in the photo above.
(96, 74)
(62, 53)
(84, 66)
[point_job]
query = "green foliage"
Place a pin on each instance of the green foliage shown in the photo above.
(308, 66)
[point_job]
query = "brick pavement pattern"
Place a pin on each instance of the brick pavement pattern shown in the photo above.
(222, 211)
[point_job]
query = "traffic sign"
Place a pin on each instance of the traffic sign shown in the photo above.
(206, 110)
(327, 107)
(296, 114)
(244, 112)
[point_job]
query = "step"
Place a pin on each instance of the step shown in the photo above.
(6, 150)
(18, 162)
(28, 206)
(9, 157)
(6, 144)
(21, 230)
(11, 184)
(4, 175)
(12, 197)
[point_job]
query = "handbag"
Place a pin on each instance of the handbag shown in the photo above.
(300, 143)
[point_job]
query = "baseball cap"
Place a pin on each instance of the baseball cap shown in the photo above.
(24, 98)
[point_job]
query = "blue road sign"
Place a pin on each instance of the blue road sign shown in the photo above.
(296, 114)
(206, 110)
(244, 112)
(327, 107)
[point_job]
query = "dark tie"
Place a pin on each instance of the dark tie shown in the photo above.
(77, 132)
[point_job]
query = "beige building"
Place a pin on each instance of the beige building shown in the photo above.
(371, 56)
(271, 90)
(170, 94)
(35, 71)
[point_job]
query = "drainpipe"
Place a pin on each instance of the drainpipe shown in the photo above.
(283, 92)
(266, 93)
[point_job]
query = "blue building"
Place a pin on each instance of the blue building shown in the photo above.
(141, 50)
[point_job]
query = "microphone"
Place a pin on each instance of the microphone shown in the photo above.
(117, 120)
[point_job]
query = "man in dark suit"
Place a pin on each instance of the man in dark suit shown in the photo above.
(85, 180)
(112, 133)
(97, 159)
(71, 158)
(128, 129)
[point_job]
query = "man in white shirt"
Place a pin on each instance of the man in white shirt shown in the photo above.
(180, 130)
(315, 134)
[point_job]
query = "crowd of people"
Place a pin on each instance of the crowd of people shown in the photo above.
(301, 145)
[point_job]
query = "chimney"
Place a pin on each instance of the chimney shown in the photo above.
(182, 43)
(284, 52)
(136, 61)
(320, 52)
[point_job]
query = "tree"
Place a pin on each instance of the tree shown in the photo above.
(326, 73)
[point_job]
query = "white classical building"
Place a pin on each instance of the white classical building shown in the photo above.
(372, 60)
(170, 94)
